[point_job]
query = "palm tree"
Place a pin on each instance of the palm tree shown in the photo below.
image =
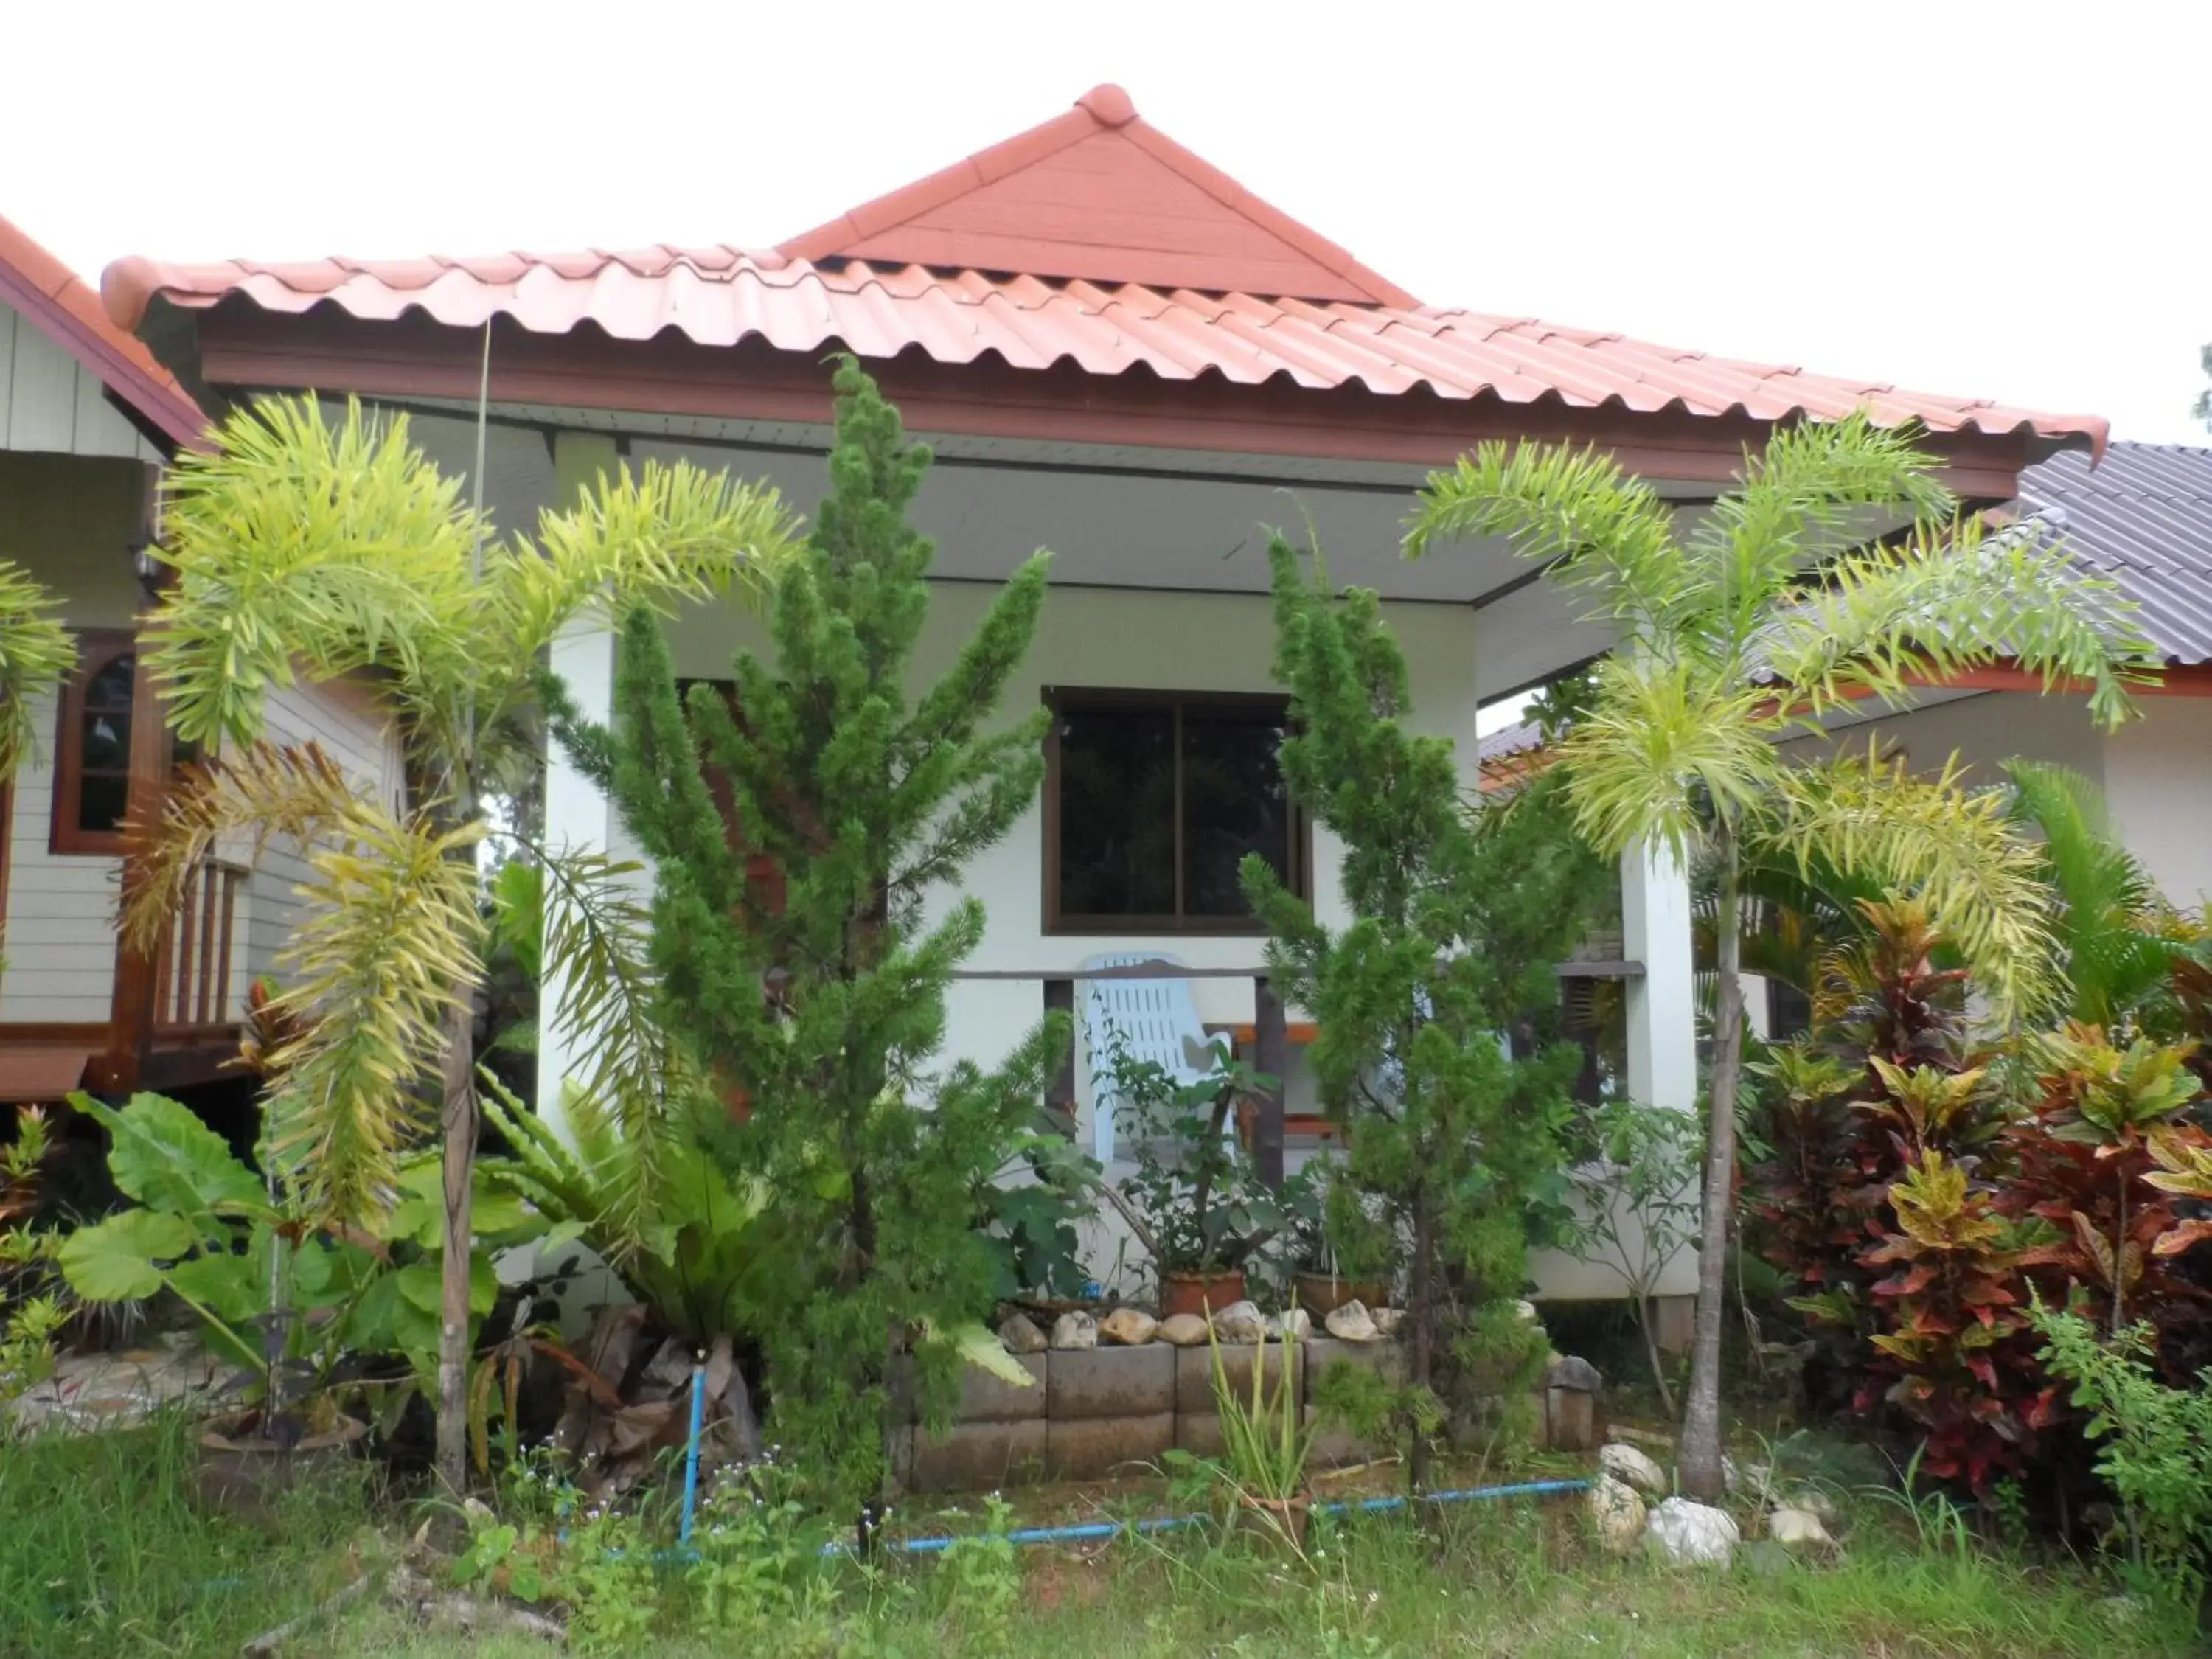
(1750, 626)
(306, 545)
(35, 652)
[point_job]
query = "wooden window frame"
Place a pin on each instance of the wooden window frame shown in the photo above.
(1063, 699)
(97, 648)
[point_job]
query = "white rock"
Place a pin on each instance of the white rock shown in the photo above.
(1075, 1329)
(1296, 1324)
(1130, 1327)
(1617, 1512)
(1684, 1531)
(1020, 1334)
(1814, 1502)
(1240, 1322)
(1184, 1330)
(1349, 1322)
(1527, 1309)
(1632, 1469)
(1798, 1530)
(1387, 1320)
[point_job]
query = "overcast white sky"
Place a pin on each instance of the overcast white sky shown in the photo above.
(2002, 200)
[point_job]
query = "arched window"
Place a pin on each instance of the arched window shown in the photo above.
(92, 771)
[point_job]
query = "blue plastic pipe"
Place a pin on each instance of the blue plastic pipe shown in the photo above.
(691, 1450)
(1098, 1529)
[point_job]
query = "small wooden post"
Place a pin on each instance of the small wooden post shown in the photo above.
(1059, 1089)
(1270, 1047)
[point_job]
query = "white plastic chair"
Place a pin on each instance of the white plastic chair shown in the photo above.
(1152, 1020)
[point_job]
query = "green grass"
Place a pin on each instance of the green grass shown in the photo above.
(103, 1551)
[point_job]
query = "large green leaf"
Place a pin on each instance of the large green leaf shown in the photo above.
(497, 1215)
(164, 1156)
(118, 1260)
(980, 1346)
(233, 1287)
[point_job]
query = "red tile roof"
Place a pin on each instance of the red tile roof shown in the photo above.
(1164, 264)
(44, 289)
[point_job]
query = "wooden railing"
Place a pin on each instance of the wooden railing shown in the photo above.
(192, 971)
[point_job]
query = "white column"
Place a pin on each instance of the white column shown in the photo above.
(578, 819)
(1662, 1011)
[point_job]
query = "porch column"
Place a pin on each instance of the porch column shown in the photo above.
(577, 815)
(1663, 1029)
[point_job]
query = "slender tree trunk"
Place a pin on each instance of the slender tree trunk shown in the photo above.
(457, 1121)
(1700, 1466)
(1422, 1292)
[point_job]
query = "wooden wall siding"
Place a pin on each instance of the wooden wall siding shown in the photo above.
(61, 934)
(51, 402)
(345, 721)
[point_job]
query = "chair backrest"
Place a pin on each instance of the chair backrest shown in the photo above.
(1152, 1020)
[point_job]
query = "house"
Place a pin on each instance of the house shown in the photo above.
(88, 420)
(1120, 353)
(2142, 517)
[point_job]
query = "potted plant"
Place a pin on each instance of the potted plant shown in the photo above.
(284, 1291)
(1265, 1449)
(1318, 1211)
(1194, 1200)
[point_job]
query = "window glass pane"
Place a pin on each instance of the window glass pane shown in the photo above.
(111, 687)
(107, 743)
(1234, 803)
(102, 801)
(1116, 812)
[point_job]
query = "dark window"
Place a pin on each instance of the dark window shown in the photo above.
(1789, 1011)
(92, 782)
(1153, 800)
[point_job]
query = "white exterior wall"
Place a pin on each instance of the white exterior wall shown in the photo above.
(2158, 780)
(50, 402)
(68, 523)
(343, 719)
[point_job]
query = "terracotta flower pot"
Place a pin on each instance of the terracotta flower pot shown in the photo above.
(244, 1475)
(1322, 1294)
(1287, 1516)
(1198, 1293)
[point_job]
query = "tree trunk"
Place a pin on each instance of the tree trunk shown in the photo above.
(458, 1119)
(1700, 1467)
(1422, 1293)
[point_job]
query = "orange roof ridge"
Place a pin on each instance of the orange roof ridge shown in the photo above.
(1098, 194)
(63, 308)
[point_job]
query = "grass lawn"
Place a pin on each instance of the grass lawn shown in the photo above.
(104, 1553)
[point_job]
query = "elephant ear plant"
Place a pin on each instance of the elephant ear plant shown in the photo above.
(285, 1291)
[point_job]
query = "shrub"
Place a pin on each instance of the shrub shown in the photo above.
(2155, 1450)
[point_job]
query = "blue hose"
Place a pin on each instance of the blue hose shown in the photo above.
(691, 1451)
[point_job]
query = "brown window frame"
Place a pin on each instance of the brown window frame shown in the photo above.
(1062, 699)
(97, 649)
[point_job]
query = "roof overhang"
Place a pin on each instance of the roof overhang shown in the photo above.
(240, 345)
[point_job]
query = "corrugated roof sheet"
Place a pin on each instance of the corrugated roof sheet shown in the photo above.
(2142, 516)
(834, 287)
(39, 286)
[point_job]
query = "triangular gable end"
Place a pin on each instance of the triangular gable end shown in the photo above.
(1099, 195)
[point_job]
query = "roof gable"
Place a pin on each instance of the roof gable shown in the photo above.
(40, 287)
(1099, 195)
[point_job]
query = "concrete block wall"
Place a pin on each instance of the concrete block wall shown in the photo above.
(1095, 1413)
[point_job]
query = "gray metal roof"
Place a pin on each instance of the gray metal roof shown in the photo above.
(2143, 517)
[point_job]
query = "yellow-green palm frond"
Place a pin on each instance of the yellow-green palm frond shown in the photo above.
(1950, 597)
(389, 931)
(659, 537)
(1610, 532)
(1953, 848)
(1662, 745)
(35, 652)
(335, 545)
(601, 991)
(1799, 493)
(263, 792)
